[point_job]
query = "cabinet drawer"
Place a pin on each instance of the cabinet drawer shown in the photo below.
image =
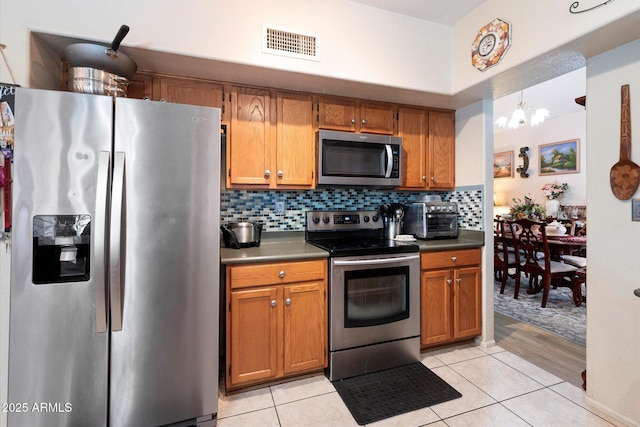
(245, 276)
(450, 259)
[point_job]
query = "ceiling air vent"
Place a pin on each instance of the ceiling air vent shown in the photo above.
(287, 43)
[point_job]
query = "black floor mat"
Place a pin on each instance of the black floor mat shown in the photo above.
(379, 395)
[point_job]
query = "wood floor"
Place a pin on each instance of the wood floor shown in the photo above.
(564, 359)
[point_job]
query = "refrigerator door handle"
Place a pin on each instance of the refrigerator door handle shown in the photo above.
(100, 248)
(116, 264)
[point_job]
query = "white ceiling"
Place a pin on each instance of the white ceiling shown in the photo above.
(446, 12)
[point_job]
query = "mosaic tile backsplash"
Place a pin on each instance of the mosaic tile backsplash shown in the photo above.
(259, 206)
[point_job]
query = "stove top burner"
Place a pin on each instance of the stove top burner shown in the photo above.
(351, 247)
(350, 233)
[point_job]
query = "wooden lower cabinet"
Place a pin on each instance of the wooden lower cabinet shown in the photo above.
(276, 321)
(450, 297)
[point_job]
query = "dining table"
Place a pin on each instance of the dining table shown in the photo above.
(564, 244)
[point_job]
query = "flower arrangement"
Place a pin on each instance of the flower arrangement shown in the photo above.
(553, 190)
(528, 208)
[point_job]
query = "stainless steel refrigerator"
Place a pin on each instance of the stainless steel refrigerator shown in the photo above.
(115, 262)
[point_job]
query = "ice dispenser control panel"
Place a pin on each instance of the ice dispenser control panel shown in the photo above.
(61, 248)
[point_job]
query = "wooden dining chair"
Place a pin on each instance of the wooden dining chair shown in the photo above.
(533, 259)
(503, 254)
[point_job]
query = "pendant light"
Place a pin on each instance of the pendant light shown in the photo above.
(523, 114)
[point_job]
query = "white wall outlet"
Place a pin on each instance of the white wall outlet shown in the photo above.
(279, 207)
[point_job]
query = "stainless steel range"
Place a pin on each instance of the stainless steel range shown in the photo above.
(374, 293)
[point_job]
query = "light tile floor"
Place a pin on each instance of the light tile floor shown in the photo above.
(498, 389)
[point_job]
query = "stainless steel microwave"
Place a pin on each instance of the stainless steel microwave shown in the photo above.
(359, 159)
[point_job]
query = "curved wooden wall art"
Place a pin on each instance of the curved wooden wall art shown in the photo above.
(522, 170)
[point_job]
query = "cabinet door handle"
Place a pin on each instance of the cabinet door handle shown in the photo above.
(424, 178)
(267, 173)
(458, 281)
(280, 174)
(636, 292)
(433, 179)
(353, 121)
(364, 122)
(282, 274)
(274, 303)
(287, 302)
(449, 281)
(454, 259)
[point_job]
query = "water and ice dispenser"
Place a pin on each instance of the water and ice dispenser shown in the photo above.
(61, 248)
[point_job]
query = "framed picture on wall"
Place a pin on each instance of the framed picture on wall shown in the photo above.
(559, 157)
(503, 164)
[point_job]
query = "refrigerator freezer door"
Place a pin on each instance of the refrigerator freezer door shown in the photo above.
(57, 361)
(164, 360)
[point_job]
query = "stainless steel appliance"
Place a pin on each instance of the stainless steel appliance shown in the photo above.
(241, 234)
(114, 278)
(431, 220)
(374, 293)
(359, 159)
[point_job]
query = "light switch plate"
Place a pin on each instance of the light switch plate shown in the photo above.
(635, 209)
(279, 208)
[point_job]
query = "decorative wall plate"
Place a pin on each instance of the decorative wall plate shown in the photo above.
(490, 44)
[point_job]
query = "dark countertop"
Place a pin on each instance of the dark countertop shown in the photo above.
(288, 246)
(466, 239)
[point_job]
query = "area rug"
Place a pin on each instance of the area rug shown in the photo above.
(560, 316)
(384, 394)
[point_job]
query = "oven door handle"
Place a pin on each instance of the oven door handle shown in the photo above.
(376, 261)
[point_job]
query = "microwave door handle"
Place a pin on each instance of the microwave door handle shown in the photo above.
(389, 161)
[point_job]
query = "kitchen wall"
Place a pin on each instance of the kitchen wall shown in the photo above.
(259, 206)
(546, 30)
(613, 312)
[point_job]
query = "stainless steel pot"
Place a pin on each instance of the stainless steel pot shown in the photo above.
(100, 69)
(91, 80)
(241, 234)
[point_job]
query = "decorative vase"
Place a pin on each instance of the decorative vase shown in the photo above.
(553, 207)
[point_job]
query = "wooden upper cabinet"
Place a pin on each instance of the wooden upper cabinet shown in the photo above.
(442, 150)
(377, 117)
(352, 115)
(412, 127)
(140, 86)
(190, 91)
(249, 141)
(295, 147)
(337, 114)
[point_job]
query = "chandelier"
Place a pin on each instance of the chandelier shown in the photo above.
(523, 114)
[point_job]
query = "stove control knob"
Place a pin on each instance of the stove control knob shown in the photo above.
(366, 218)
(316, 220)
(325, 219)
(375, 218)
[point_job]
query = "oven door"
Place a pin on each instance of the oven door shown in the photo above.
(373, 299)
